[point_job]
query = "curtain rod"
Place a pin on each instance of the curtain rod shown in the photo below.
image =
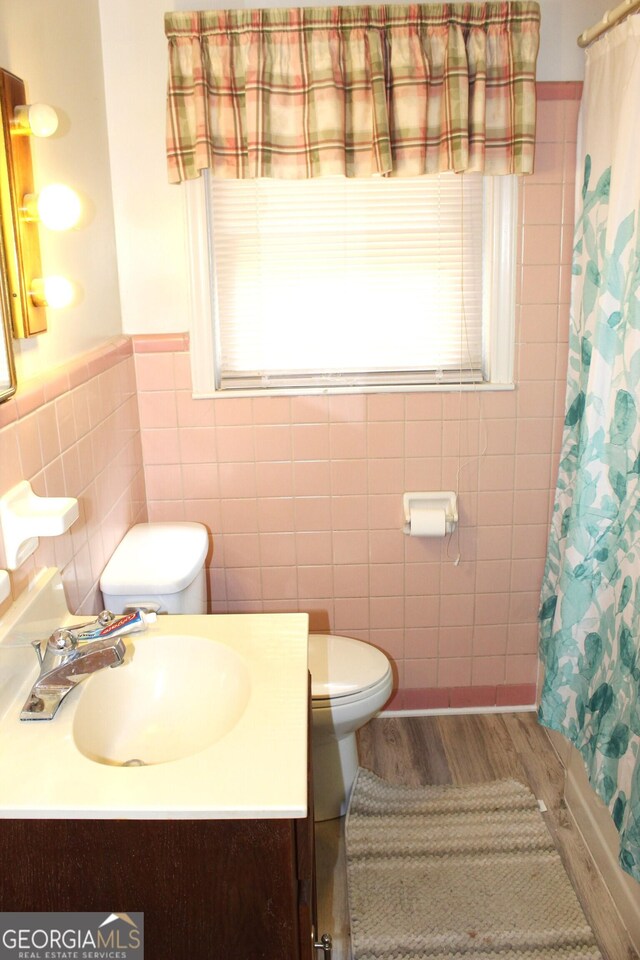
(609, 20)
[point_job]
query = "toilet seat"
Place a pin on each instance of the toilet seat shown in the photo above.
(370, 693)
(344, 670)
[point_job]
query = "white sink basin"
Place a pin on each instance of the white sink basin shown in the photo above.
(173, 696)
(215, 707)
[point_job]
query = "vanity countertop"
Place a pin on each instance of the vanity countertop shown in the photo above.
(256, 770)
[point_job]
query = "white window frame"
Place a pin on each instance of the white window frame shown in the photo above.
(499, 287)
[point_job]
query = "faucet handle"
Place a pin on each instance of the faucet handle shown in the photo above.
(61, 640)
(101, 620)
(105, 617)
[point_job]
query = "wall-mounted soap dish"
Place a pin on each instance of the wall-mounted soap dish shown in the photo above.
(24, 517)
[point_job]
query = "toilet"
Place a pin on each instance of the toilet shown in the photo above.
(159, 566)
(350, 682)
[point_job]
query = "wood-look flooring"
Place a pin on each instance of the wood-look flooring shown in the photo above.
(461, 750)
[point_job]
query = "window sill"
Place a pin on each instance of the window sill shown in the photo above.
(332, 391)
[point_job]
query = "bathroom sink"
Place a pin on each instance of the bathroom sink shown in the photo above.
(174, 696)
(214, 706)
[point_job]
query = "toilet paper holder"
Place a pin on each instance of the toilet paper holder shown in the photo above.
(446, 500)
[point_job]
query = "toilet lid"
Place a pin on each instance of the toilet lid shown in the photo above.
(342, 666)
(160, 557)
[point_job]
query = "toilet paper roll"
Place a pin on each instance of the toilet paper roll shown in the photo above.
(427, 523)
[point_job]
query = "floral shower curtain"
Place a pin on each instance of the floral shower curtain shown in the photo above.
(590, 613)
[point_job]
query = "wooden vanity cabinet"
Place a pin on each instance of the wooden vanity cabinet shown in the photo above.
(209, 889)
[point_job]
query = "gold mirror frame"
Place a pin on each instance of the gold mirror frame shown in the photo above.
(8, 382)
(7, 364)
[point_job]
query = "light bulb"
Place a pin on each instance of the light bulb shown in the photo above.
(55, 292)
(58, 206)
(37, 119)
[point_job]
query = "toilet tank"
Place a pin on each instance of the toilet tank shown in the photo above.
(159, 565)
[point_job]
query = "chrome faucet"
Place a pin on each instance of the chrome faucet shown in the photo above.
(69, 658)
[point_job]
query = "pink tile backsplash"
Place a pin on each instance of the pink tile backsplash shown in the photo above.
(76, 433)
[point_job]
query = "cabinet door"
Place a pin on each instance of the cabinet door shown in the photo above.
(209, 889)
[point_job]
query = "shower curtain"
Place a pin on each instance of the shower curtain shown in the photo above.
(590, 607)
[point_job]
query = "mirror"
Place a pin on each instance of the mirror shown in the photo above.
(22, 314)
(7, 366)
(24, 292)
(19, 227)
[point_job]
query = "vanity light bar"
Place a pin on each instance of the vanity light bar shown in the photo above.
(55, 292)
(57, 207)
(34, 120)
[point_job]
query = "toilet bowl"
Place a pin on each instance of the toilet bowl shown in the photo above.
(350, 682)
(159, 566)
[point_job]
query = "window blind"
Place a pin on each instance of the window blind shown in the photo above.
(348, 281)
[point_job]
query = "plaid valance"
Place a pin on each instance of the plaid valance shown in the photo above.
(354, 91)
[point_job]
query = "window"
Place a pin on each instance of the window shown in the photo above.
(359, 284)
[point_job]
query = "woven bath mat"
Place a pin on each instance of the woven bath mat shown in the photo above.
(457, 872)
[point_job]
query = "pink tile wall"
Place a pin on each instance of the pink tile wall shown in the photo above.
(303, 495)
(76, 433)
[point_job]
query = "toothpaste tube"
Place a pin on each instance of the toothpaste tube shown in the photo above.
(131, 623)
